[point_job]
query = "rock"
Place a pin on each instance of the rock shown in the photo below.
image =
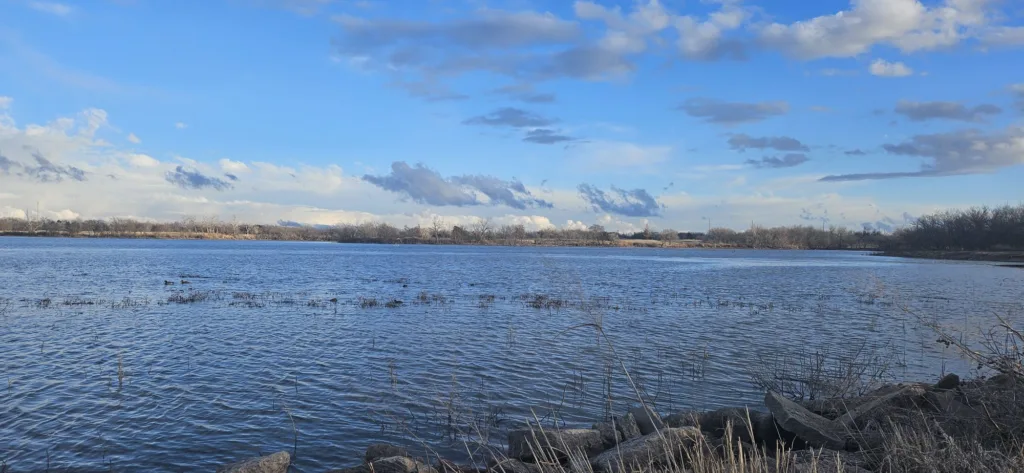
(511, 465)
(627, 427)
(647, 420)
(609, 436)
(400, 465)
(950, 381)
(826, 461)
(682, 419)
(383, 450)
(660, 448)
(833, 408)
(909, 396)
(715, 422)
(364, 468)
(276, 463)
(553, 445)
(813, 429)
(445, 466)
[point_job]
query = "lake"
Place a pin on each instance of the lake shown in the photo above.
(110, 363)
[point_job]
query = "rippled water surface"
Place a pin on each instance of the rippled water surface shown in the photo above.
(279, 346)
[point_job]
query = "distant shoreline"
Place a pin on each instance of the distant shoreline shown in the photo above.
(544, 243)
(1016, 256)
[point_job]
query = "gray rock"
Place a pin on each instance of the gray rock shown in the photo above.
(553, 445)
(627, 427)
(400, 465)
(609, 436)
(682, 419)
(950, 381)
(813, 429)
(364, 468)
(511, 465)
(647, 420)
(384, 450)
(276, 463)
(879, 407)
(657, 449)
(827, 461)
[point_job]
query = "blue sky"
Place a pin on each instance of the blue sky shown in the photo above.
(624, 113)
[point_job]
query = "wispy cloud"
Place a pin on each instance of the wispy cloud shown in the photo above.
(732, 113)
(52, 8)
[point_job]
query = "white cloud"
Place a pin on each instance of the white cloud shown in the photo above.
(883, 68)
(234, 167)
(907, 25)
(134, 139)
(142, 161)
(52, 8)
(94, 180)
(180, 125)
(5, 102)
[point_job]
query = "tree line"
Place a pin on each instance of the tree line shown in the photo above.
(975, 229)
(978, 228)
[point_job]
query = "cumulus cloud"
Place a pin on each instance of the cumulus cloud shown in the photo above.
(234, 167)
(193, 179)
(741, 142)
(732, 113)
(142, 160)
(133, 139)
(45, 170)
(7, 164)
(958, 152)
(907, 25)
(923, 111)
(883, 68)
(774, 162)
(629, 203)
(5, 102)
(427, 186)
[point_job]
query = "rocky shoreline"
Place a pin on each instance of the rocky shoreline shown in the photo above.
(821, 436)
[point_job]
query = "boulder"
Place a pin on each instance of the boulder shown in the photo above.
(813, 429)
(743, 422)
(950, 381)
(647, 420)
(511, 465)
(553, 445)
(909, 396)
(682, 419)
(609, 436)
(276, 463)
(826, 461)
(658, 449)
(627, 426)
(384, 450)
(400, 465)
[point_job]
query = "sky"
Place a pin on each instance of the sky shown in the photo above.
(624, 113)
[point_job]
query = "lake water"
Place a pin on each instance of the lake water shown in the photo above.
(279, 346)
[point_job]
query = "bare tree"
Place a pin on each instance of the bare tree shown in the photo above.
(437, 227)
(482, 229)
